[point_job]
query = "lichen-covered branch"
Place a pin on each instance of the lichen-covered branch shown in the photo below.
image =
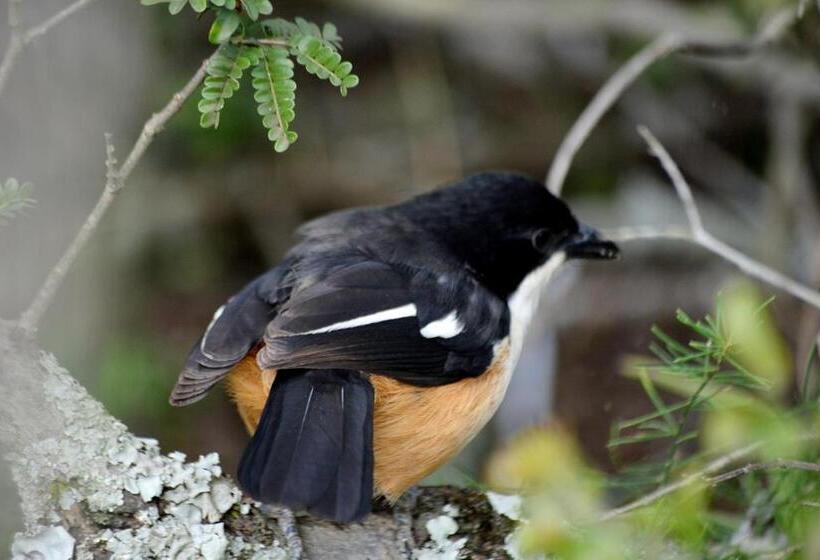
(89, 487)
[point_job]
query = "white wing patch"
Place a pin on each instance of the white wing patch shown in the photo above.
(216, 317)
(446, 327)
(400, 312)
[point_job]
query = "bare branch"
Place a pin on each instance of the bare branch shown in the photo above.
(602, 102)
(709, 476)
(15, 46)
(18, 40)
(769, 33)
(627, 74)
(115, 180)
(681, 186)
(778, 464)
(38, 30)
(638, 233)
(705, 239)
(804, 4)
(701, 476)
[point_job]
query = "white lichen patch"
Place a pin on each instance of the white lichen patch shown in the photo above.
(451, 510)
(84, 460)
(168, 538)
(52, 543)
(240, 548)
(508, 505)
(440, 529)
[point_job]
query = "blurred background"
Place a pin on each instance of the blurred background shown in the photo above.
(447, 89)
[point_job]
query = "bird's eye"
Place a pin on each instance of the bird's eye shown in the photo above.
(543, 240)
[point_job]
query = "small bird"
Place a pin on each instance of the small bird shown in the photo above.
(384, 340)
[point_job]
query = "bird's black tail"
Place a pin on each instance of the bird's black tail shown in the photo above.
(313, 448)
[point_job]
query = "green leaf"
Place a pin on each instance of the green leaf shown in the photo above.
(331, 35)
(306, 27)
(255, 8)
(224, 72)
(275, 93)
(176, 6)
(224, 26)
(199, 6)
(15, 197)
(322, 59)
(279, 28)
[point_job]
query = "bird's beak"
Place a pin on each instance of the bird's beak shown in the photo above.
(588, 244)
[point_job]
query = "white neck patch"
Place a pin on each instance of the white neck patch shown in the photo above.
(523, 303)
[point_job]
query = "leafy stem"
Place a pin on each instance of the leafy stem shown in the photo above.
(266, 44)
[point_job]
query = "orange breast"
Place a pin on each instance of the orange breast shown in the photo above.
(415, 429)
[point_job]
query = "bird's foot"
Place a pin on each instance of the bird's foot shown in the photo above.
(287, 524)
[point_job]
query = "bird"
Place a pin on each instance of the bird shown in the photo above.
(384, 340)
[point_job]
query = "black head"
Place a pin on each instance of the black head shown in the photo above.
(505, 225)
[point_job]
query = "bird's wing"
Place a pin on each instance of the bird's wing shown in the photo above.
(412, 324)
(235, 329)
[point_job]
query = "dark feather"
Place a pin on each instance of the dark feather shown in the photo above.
(391, 347)
(312, 449)
(235, 329)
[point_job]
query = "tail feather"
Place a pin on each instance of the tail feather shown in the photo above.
(313, 448)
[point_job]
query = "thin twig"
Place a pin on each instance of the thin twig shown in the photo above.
(777, 464)
(705, 239)
(804, 4)
(602, 102)
(770, 32)
(15, 46)
(709, 476)
(638, 233)
(43, 28)
(627, 74)
(686, 413)
(18, 40)
(273, 42)
(701, 476)
(115, 180)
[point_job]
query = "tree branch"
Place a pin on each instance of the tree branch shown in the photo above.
(18, 40)
(701, 476)
(89, 485)
(602, 102)
(115, 180)
(627, 74)
(708, 475)
(699, 235)
(804, 4)
(777, 464)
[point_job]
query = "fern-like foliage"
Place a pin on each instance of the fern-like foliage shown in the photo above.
(300, 27)
(252, 7)
(224, 72)
(15, 197)
(321, 59)
(275, 92)
(270, 46)
(702, 370)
